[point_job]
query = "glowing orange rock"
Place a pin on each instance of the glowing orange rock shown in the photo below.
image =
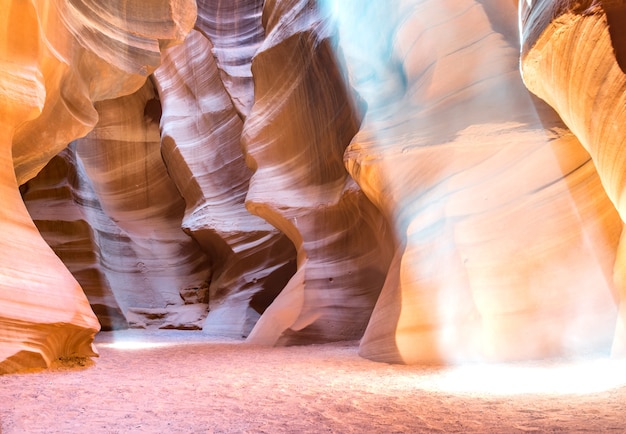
(574, 57)
(43, 311)
(506, 237)
(55, 59)
(501, 235)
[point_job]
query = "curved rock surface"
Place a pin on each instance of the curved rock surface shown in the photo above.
(574, 57)
(235, 30)
(151, 263)
(295, 136)
(60, 206)
(507, 239)
(201, 134)
(88, 52)
(54, 64)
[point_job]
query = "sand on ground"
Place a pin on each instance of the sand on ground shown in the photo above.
(185, 382)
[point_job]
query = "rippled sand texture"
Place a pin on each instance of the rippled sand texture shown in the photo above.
(230, 387)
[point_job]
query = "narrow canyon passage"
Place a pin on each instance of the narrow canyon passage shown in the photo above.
(305, 216)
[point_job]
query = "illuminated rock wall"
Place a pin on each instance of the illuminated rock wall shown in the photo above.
(301, 171)
(574, 57)
(507, 239)
(60, 202)
(295, 136)
(56, 59)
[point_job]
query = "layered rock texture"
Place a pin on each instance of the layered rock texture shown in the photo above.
(57, 59)
(294, 171)
(490, 190)
(584, 79)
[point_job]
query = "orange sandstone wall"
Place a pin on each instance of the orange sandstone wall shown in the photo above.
(506, 237)
(574, 58)
(56, 59)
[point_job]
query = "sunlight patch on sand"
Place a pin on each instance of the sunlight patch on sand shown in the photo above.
(134, 345)
(557, 378)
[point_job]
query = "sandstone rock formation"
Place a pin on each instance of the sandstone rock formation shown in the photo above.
(63, 222)
(301, 171)
(201, 134)
(236, 32)
(295, 136)
(57, 58)
(574, 57)
(489, 190)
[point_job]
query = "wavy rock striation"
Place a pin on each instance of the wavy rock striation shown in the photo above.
(88, 52)
(201, 134)
(56, 58)
(506, 238)
(60, 206)
(116, 221)
(122, 158)
(301, 171)
(235, 30)
(574, 57)
(295, 136)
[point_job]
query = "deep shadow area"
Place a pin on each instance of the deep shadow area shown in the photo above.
(616, 17)
(273, 285)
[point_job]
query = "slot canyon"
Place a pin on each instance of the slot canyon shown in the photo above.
(415, 186)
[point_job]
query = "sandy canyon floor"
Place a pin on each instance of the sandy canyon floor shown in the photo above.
(184, 382)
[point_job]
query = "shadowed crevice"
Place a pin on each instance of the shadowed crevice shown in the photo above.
(616, 17)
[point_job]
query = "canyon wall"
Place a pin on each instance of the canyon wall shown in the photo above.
(489, 191)
(57, 59)
(574, 58)
(305, 171)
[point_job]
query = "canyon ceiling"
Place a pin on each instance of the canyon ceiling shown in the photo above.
(442, 179)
